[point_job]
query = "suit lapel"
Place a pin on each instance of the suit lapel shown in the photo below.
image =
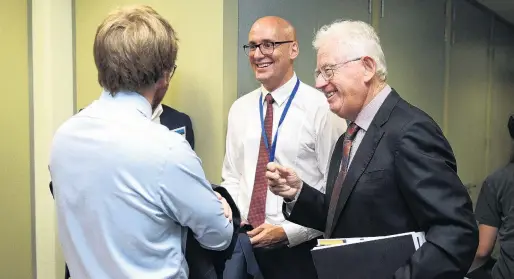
(358, 165)
(364, 153)
(335, 163)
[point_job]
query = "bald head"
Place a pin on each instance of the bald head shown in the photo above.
(281, 27)
(271, 49)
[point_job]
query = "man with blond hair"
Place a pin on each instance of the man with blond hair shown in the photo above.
(127, 189)
(392, 172)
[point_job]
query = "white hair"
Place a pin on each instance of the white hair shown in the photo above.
(356, 38)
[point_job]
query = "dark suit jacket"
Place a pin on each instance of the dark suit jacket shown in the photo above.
(402, 178)
(174, 119)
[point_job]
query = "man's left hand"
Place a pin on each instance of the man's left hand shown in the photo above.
(225, 206)
(267, 234)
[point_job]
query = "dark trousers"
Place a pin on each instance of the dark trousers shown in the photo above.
(287, 263)
(483, 272)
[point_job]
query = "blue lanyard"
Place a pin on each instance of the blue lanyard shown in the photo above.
(271, 152)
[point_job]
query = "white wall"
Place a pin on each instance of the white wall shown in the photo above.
(53, 100)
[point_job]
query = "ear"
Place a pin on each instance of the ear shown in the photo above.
(370, 68)
(295, 50)
(162, 82)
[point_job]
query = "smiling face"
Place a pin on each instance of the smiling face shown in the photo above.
(348, 86)
(274, 67)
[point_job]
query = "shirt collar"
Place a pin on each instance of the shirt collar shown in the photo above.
(281, 94)
(157, 112)
(370, 110)
(129, 99)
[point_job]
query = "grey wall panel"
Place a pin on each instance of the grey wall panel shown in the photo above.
(468, 91)
(331, 10)
(307, 16)
(502, 96)
(412, 35)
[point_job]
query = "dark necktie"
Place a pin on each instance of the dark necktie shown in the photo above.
(257, 212)
(349, 136)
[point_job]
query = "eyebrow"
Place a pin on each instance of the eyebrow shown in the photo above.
(324, 66)
(331, 64)
(263, 41)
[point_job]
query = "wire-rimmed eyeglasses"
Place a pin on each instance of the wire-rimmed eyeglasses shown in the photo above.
(327, 72)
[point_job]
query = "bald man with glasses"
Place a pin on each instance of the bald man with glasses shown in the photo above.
(286, 121)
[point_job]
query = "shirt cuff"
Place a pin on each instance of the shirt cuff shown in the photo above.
(295, 233)
(290, 203)
(295, 197)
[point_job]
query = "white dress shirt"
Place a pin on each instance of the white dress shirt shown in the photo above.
(126, 190)
(305, 142)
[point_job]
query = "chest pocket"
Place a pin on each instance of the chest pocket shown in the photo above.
(373, 186)
(373, 176)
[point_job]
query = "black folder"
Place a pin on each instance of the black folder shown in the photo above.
(373, 259)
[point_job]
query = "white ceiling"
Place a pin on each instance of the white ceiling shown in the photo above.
(504, 8)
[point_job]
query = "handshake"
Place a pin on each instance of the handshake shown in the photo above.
(283, 182)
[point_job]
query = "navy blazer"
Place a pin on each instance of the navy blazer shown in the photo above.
(174, 119)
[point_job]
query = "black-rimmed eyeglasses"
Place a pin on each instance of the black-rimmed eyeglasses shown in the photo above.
(266, 48)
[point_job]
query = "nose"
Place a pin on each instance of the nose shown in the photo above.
(321, 82)
(257, 54)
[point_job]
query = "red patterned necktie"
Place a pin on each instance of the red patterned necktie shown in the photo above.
(256, 215)
(351, 132)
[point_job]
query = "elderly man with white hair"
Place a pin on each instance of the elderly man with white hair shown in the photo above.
(392, 172)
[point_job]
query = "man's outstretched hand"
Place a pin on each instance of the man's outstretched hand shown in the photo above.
(283, 181)
(226, 207)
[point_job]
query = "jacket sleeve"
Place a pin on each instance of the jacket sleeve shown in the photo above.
(309, 209)
(427, 173)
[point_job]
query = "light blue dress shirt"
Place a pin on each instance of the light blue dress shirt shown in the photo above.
(126, 189)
